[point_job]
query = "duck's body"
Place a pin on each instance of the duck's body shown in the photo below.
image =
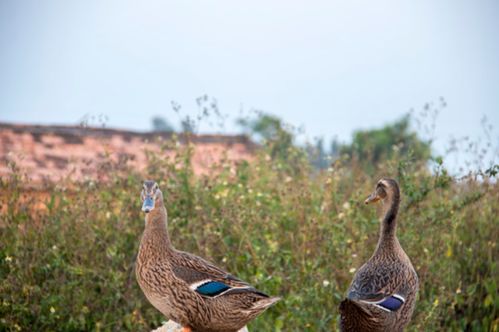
(383, 292)
(190, 290)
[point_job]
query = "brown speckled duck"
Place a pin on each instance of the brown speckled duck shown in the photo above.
(382, 295)
(186, 288)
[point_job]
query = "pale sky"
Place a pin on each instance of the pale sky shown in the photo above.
(329, 66)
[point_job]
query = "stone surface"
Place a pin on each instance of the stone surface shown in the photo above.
(171, 326)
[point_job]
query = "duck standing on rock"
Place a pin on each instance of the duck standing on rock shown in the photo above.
(382, 295)
(186, 288)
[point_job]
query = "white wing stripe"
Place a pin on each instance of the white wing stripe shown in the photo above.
(380, 307)
(397, 296)
(231, 289)
(195, 285)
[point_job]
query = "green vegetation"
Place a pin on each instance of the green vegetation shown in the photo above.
(369, 147)
(271, 130)
(160, 124)
(67, 251)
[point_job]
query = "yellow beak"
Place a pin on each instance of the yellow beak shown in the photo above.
(373, 198)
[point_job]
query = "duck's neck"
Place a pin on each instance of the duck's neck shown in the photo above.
(388, 237)
(156, 225)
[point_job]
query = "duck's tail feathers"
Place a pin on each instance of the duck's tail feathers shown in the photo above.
(349, 306)
(265, 303)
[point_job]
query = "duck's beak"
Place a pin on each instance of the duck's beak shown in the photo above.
(148, 204)
(374, 197)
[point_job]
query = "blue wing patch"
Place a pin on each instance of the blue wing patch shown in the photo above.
(212, 288)
(391, 303)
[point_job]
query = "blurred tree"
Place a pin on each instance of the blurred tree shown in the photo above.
(270, 129)
(160, 124)
(335, 147)
(397, 139)
(264, 126)
(317, 155)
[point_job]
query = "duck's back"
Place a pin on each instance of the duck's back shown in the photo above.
(154, 276)
(382, 295)
(194, 292)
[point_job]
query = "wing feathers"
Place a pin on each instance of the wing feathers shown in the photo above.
(389, 303)
(210, 288)
(208, 280)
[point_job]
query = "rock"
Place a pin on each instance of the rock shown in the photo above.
(171, 326)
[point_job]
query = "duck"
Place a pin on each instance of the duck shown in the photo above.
(186, 288)
(382, 295)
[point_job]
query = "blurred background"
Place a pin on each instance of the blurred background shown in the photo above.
(326, 67)
(257, 119)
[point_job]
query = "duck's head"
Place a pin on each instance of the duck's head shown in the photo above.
(384, 188)
(151, 196)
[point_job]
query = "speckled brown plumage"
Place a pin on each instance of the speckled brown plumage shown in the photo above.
(167, 278)
(387, 276)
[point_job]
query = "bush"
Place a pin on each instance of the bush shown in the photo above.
(68, 250)
(369, 147)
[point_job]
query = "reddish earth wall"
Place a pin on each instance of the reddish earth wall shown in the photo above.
(53, 153)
